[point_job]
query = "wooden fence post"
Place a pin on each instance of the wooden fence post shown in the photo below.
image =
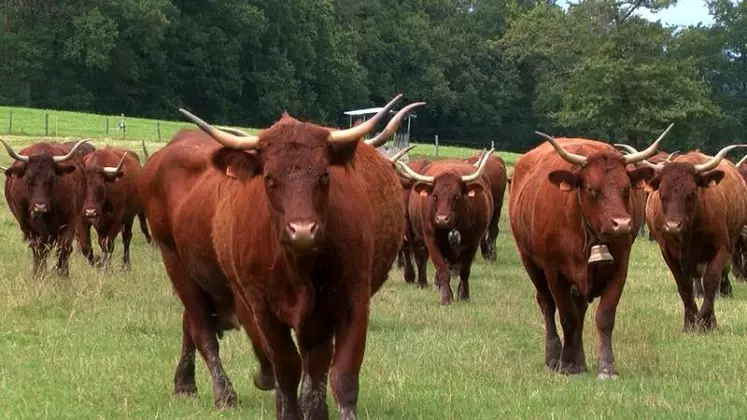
(10, 122)
(436, 145)
(46, 124)
(158, 128)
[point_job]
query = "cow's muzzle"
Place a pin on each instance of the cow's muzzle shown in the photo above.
(672, 226)
(90, 213)
(39, 208)
(302, 236)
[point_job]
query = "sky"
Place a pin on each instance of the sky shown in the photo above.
(686, 12)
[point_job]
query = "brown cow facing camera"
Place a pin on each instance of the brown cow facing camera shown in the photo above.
(449, 208)
(574, 207)
(111, 201)
(294, 229)
(44, 189)
(696, 213)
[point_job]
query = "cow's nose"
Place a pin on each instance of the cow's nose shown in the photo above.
(91, 212)
(302, 234)
(673, 226)
(442, 220)
(40, 207)
(621, 225)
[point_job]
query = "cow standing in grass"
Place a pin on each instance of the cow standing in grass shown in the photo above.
(296, 229)
(403, 256)
(566, 196)
(696, 213)
(111, 202)
(450, 207)
(44, 189)
(495, 175)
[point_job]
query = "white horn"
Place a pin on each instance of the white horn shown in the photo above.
(60, 159)
(393, 125)
(113, 171)
(354, 134)
(227, 139)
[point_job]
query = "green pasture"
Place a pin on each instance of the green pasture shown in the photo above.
(105, 346)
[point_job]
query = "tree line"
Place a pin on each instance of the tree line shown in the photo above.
(489, 69)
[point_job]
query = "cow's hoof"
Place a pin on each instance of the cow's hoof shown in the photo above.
(228, 400)
(186, 390)
(571, 369)
(606, 374)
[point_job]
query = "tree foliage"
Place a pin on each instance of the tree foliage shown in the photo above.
(489, 69)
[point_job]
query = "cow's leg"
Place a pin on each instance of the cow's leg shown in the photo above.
(605, 318)
(84, 241)
(685, 289)
(420, 254)
(725, 287)
(487, 244)
(126, 240)
(409, 270)
(464, 271)
(184, 377)
(202, 327)
(64, 249)
(106, 243)
(547, 305)
(581, 306)
(711, 282)
(286, 364)
(40, 250)
(443, 273)
(569, 320)
(316, 363)
(350, 345)
(264, 379)
(144, 226)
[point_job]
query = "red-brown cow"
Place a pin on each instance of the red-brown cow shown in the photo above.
(567, 196)
(403, 256)
(111, 202)
(739, 257)
(44, 189)
(450, 207)
(315, 271)
(495, 175)
(696, 213)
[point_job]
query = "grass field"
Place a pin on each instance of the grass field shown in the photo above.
(101, 346)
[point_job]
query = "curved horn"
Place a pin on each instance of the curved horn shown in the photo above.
(481, 167)
(225, 138)
(393, 125)
(353, 134)
(476, 163)
(649, 151)
(743, 160)
(13, 154)
(71, 153)
(672, 156)
(401, 153)
(407, 172)
(630, 149)
(566, 155)
(234, 131)
(713, 162)
(113, 171)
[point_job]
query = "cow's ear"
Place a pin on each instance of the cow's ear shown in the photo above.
(237, 164)
(565, 180)
(63, 169)
(653, 183)
(114, 177)
(423, 189)
(473, 189)
(639, 176)
(16, 171)
(710, 178)
(340, 154)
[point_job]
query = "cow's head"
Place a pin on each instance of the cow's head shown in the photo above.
(603, 184)
(97, 180)
(293, 158)
(449, 191)
(679, 182)
(40, 173)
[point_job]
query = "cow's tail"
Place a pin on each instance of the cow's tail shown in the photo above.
(145, 150)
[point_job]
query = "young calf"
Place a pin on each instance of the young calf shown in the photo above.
(111, 201)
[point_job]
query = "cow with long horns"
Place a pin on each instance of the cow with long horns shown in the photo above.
(696, 213)
(574, 212)
(111, 202)
(44, 189)
(449, 208)
(296, 229)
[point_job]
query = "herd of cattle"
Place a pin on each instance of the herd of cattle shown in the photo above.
(298, 227)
